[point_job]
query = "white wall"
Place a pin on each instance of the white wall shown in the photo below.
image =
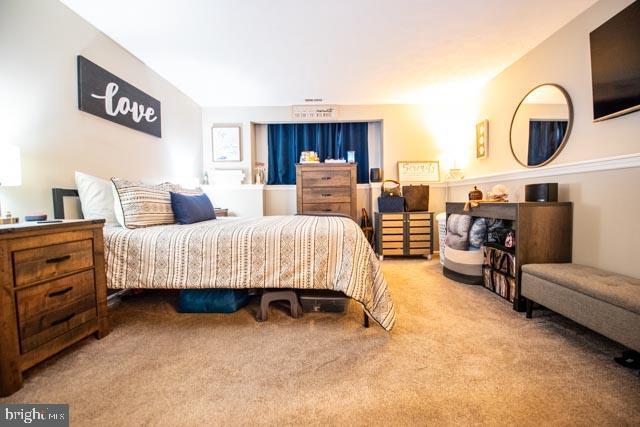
(39, 41)
(605, 202)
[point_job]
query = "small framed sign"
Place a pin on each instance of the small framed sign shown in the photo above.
(226, 143)
(419, 171)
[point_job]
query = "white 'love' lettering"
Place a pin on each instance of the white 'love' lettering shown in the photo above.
(124, 105)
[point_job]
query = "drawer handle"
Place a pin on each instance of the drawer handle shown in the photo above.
(64, 319)
(60, 292)
(326, 210)
(326, 178)
(326, 194)
(58, 259)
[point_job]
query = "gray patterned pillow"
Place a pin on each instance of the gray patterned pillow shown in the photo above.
(140, 205)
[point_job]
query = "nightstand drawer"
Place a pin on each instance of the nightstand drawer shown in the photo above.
(51, 295)
(38, 330)
(48, 262)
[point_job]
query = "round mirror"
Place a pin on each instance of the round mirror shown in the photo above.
(541, 125)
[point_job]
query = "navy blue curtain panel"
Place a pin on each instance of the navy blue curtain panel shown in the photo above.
(329, 140)
(545, 137)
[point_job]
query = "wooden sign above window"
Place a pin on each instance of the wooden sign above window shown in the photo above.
(105, 95)
(314, 112)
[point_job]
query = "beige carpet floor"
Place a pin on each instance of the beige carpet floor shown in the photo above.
(459, 355)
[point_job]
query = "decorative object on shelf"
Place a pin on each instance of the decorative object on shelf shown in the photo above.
(10, 175)
(498, 193)
(475, 194)
(205, 178)
(541, 125)
(546, 192)
(226, 140)
(351, 156)
(332, 161)
(375, 175)
(310, 157)
(419, 171)
(259, 173)
(107, 96)
(482, 139)
(455, 174)
(416, 198)
(314, 112)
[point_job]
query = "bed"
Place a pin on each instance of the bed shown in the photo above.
(292, 252)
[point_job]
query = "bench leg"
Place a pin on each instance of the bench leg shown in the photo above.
(529, 304)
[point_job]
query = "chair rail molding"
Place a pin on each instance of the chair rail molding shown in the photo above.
(608, 163)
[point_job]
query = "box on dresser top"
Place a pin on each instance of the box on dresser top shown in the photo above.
(327, 188)
(52, 292)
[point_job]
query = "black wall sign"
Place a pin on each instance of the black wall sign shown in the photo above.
(107, 96)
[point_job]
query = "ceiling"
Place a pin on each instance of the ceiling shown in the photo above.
(279, 52)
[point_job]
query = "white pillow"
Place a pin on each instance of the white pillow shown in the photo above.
(96, 198)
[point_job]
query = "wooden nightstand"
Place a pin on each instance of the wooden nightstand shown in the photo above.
(52, 292)
(221, 212)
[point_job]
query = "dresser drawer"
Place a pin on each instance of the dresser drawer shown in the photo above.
(327, 195)
(327, 178)
(44, 327)
(41, 298)
(48, 262)
(342, 208)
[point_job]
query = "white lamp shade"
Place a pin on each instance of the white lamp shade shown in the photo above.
(10, 171)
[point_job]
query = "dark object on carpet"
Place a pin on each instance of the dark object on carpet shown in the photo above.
(270, 296)
(323, 301)
(212, 300)
(630, 359)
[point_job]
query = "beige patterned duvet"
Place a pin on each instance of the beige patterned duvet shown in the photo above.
(300, 252)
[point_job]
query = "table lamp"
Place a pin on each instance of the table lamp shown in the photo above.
(10, 173)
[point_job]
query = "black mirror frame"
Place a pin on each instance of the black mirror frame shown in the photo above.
(566, 135)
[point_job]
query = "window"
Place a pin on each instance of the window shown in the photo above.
(329, 140)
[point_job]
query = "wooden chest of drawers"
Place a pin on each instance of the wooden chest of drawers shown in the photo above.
(404, 234)
(53, 292)
(326, 188)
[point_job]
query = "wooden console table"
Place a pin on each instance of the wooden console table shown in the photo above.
(543, 232)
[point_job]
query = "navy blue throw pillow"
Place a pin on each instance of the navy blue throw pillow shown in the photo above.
(188, 209)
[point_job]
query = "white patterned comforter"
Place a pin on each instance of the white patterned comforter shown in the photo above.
(299, 252)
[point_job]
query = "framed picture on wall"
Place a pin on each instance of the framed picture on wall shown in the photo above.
(419, 171)
(226, 143)
(482, 139)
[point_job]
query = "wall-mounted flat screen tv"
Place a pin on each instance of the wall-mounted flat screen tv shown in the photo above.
(615, 64)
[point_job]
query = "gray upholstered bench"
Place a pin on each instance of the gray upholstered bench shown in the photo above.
(605, 302)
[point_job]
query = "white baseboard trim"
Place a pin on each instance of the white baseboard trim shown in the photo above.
(608, 163)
